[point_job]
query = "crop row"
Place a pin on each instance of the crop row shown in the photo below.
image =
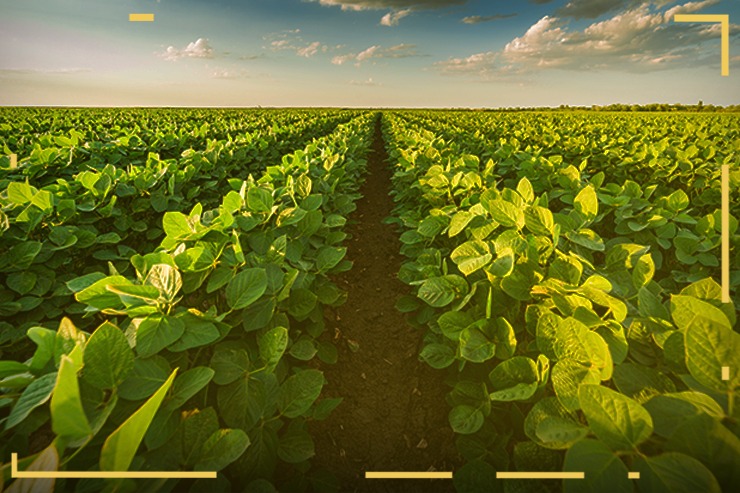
(191, 351)
(575, 309)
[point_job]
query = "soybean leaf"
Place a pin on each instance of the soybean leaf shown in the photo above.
(246, 288)
(108, 357)
(620, 422)
(299, 391)
(120, 447)
(673, 472)
(68, 418)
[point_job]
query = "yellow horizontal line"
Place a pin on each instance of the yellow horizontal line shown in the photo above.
(408, 475)
(540, 475)
(633, 475)
(141, 17)
(105, 474)
(700, 17)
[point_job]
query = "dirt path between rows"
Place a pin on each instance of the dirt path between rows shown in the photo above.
(394, 415)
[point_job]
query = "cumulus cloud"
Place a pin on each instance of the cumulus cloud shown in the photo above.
(309, 50)
(376, 51)
(200, 48)
(641, 39)
(292, 41)
(478, 19)
(393, 18)
(389, 4)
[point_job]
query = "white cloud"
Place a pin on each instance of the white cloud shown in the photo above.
(477, 19)
(389, 4)
(310, 50)
(640, 39)
(376, 51)
(393, 18)
(200, 48)
(291, 41)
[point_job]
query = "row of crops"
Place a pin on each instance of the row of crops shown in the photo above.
(164, 280)
(564, 271)
(165, 275)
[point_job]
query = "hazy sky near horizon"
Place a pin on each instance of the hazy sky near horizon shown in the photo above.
(400, 53)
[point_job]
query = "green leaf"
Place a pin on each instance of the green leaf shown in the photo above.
(108, 357)
(475, 346)
(98, 296)
(506, 213)
(459, 222)
(166, 279)
(437, 292)
(567, 377)
(466, 419)
(20, 193)
(155, 332)
(197, 427)
(539, 220)
(21, 282)
(221, 449)
(259, 200)
(550, 425)
(471, 256)
(515, 379)
(120, 447)
(669, 411)
(604, 471)
(587, 203)
(438, 356)
(620, 422)
(328, 257)
(35, 395)
(246, 288)
(453, 323)
(708, 440)
(677, 201)
(187, 384)
(272, 346)
(296, 444)
(303, 349)
(674, 473)
(686, 311)
(299, 391)
(230, 363)
(68, 418)
(709, 348)
(147, 376)
(198, 332)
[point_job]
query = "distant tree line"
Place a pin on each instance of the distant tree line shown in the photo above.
(696, 108)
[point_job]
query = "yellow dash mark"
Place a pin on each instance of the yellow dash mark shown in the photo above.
(15, 473)
(13, 160)
(725, 373)
(633, 475)
(726, 233)
(723, 19)
(540, 475)
(407, 475)
(141, 17)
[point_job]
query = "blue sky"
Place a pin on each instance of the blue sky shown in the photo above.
(400, 53)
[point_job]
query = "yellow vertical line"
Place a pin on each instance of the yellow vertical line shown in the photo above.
(13, 465)
(725, 45)
(725, 373)
(725, 233)
(13, 160)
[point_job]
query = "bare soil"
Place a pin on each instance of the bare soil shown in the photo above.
(394, 415)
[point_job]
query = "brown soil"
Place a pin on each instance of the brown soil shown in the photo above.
(394, 415)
